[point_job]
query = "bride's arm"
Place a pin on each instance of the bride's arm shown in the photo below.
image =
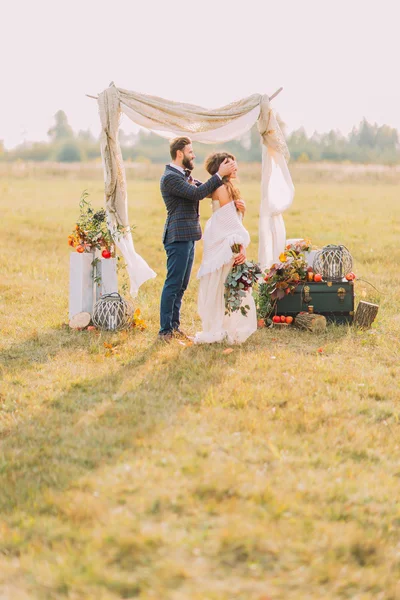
(222, 195)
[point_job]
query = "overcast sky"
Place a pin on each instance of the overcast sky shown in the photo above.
(336, 59)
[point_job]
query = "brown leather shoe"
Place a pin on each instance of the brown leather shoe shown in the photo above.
(166, 337)
(181, 335)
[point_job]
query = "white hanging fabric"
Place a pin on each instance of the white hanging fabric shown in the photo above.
(171, 119)
(116, 198)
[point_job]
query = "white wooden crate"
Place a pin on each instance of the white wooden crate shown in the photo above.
(83, 291)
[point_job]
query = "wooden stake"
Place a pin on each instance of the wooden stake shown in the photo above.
(365, 314)
(274, 95)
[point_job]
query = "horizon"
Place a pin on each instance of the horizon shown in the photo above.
(136, 129)
(335, 61)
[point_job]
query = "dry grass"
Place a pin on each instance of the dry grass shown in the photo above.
(320, 172)
(184, 473)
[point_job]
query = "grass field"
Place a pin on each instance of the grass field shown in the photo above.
(183, 473)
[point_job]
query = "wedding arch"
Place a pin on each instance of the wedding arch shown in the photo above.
(170, 119)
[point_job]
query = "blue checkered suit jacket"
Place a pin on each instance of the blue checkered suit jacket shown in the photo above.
(182, 201)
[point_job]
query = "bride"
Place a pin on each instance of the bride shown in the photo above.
(222, 230)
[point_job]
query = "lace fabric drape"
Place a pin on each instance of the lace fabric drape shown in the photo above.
(170, 119)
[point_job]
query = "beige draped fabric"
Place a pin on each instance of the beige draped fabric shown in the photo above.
(114, 172)
(167, 115)
(170, 119)
(116, 198)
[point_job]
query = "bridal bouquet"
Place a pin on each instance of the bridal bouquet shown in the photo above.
(240, 279)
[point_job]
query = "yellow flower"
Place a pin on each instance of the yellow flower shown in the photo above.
(137, 321)
(283, 257)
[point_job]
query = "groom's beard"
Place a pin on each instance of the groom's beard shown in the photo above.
(187, 163)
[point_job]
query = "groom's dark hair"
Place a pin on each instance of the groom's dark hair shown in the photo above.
(178, 144)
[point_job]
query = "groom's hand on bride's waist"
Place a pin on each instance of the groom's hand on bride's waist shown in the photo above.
(240, 205)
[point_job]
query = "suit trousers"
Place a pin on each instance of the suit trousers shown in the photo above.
(180, 256)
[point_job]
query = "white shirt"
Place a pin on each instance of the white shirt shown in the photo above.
(177, 167)
(182, 170)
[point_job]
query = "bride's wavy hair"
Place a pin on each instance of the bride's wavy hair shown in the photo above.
(212, 164)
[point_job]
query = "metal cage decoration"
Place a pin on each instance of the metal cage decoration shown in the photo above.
(333, 262)
(112, 313)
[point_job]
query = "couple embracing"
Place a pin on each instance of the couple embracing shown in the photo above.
(182, 195)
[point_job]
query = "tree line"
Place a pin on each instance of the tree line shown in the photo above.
(366, 143)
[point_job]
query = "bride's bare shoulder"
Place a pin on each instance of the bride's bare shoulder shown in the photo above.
(222, 195)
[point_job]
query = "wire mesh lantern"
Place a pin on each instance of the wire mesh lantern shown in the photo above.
(112, 312)
(333, 262)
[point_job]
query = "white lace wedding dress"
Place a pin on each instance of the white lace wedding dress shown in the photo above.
(222, 230)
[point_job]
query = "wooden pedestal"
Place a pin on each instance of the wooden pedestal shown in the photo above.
(83, 291)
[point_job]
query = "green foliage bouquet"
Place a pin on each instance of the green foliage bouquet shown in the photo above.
(240, 279)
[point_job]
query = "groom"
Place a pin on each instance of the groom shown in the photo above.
(181, 194)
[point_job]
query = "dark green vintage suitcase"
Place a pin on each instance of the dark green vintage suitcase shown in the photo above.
(333, 300)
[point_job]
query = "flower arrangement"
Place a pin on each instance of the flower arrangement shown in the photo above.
(91, 230)
(283, 277)
(300, 246)
(240, 279)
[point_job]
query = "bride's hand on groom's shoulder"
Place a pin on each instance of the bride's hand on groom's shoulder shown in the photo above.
(241, 205)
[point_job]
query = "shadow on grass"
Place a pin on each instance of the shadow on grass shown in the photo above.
(41, 347)
(93, 421)
(92, 424)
